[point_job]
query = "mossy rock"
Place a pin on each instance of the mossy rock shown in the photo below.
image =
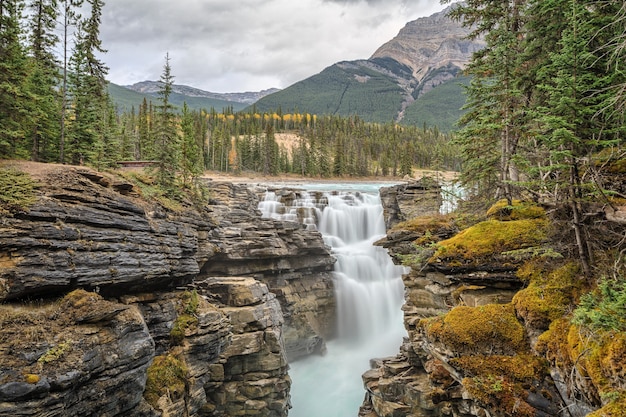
(167, 375)
(466, 330)
(551, 292)
(488, 242)
(518, 210)
(501, 382)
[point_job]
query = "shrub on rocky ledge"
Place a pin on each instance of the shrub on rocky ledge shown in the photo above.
(17, 191)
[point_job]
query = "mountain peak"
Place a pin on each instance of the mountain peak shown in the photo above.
(430, 42)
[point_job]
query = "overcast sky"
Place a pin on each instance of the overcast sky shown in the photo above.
(246, 45)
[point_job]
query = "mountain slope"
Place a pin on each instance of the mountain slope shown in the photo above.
(346, 88)
(427, 53)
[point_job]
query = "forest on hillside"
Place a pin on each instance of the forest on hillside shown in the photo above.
(57, 109)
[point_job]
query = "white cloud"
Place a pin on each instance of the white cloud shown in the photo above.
(246, 45)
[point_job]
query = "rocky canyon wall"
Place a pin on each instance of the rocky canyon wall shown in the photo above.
(113, 305)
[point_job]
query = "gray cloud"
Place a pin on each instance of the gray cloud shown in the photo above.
(246, 45)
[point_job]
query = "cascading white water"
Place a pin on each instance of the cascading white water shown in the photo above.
(369, 293)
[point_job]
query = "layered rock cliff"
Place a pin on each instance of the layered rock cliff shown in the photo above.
(114, 305)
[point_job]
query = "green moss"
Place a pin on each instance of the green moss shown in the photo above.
(181, 324)
(17, 191)
(188, 309)
(519, 210)
(490, 240)
(55, 353)
(551, 292)
(166, 375)
(468, 330)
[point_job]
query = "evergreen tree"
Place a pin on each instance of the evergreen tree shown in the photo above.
(69, 20)
(88, 87)
(496, 100)
(166, 140)
(191, 163)
(43, 79)
(13, 80)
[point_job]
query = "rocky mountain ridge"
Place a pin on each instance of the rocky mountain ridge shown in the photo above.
(248, 97)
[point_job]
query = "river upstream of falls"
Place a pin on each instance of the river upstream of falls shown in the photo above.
(369, 292)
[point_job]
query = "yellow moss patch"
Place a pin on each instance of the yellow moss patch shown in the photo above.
(601, 357)
(489, 328)
(519, 210)
(55, 353)
(79, 299)
(31, 378)
(500, 394)
(550, 293)
(488, 240)
(166, 375)
(520, 368)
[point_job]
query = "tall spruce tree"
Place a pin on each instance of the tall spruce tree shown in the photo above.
(166, 139)
(491, 133)
(191, 162)
(88, 87)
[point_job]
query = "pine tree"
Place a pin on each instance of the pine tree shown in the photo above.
(496, 102)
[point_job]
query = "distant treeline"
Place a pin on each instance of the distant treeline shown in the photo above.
(320, 146)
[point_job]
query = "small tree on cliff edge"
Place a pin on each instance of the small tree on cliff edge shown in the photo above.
(166, 135)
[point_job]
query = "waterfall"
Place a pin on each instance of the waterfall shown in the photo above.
(369, 293)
